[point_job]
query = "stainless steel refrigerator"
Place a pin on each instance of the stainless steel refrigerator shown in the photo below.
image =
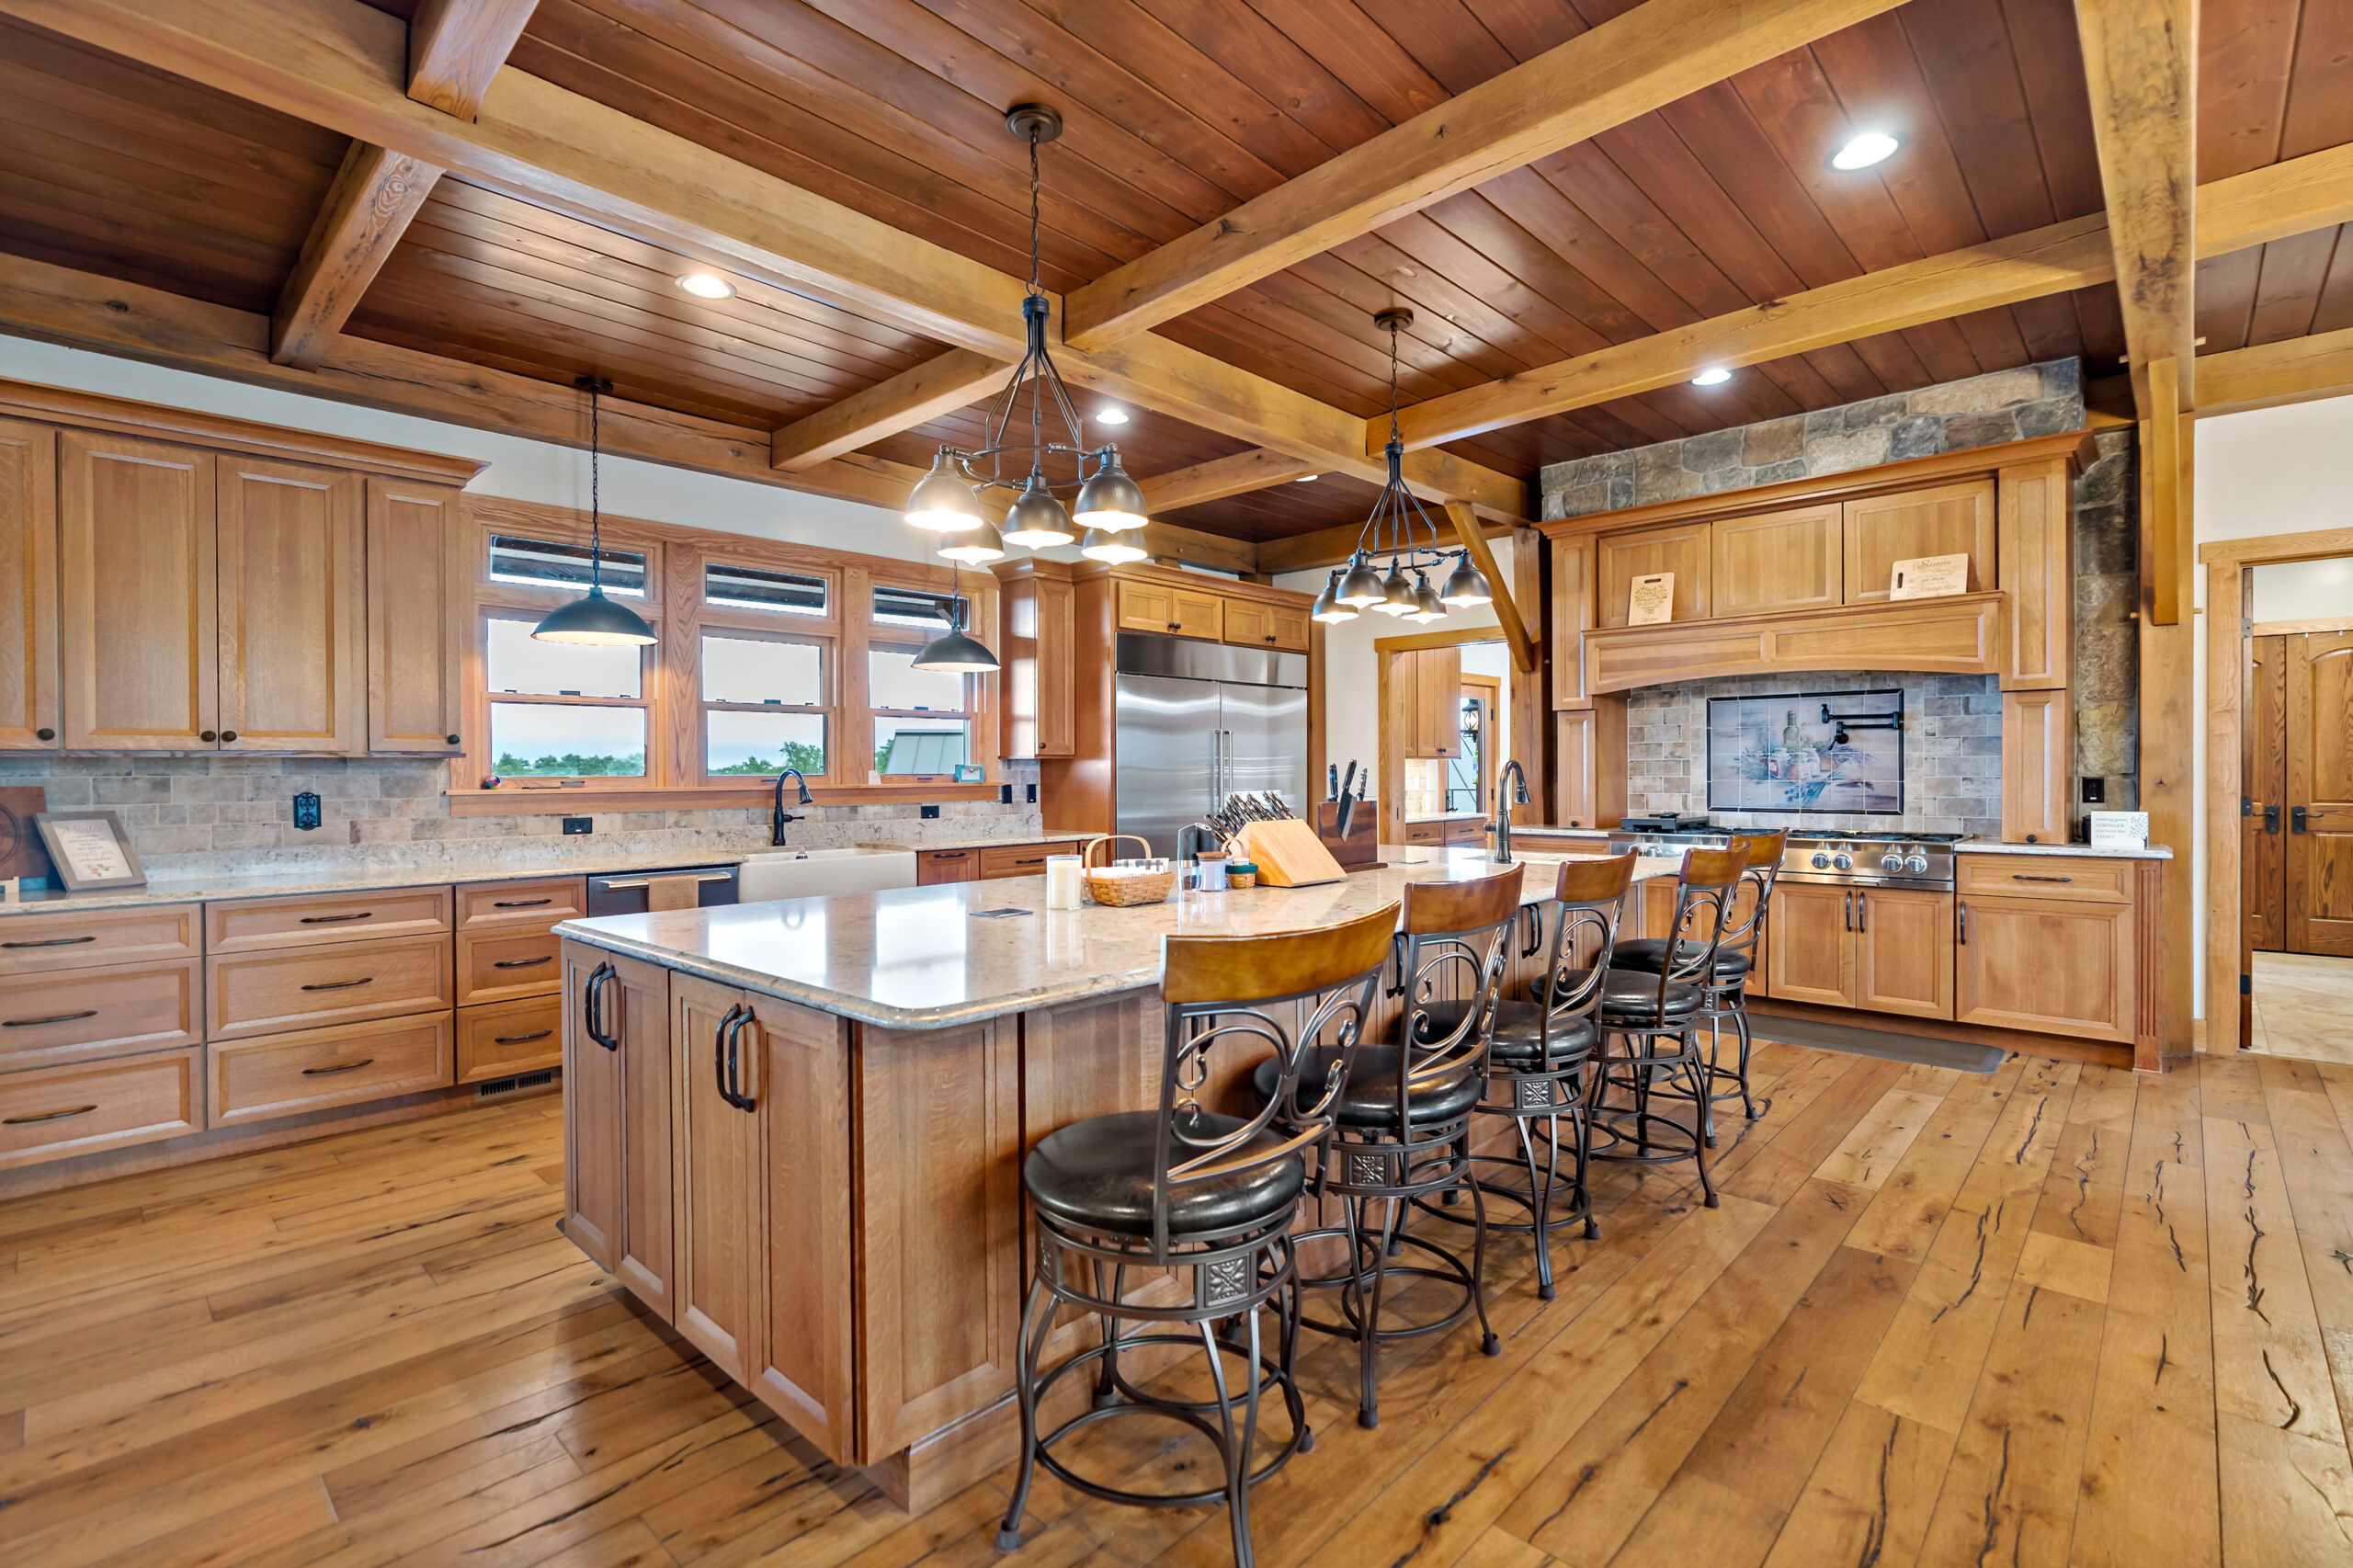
(1197, 721)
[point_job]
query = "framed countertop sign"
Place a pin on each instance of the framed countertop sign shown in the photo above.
(90, 850)
(1650, 601)
(1929, 577)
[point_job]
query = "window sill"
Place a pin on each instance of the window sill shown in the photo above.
(509, 801)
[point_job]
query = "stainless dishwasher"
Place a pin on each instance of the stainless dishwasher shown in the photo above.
(624, 892)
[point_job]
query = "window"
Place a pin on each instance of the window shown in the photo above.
(749, 587)
(765, 701)
(921, 722)
(563, 709)
(545, 564)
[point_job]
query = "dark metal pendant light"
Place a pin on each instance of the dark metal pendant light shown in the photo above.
(1107, 502)
(593, 618)
(952, 652)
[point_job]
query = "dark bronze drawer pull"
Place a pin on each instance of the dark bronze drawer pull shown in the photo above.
(52, 1019)
(340, 984)
(524, 963)
(333, 919)
(47, 1115)
(338, 1067)
(948, 854)
(521, 903)
(2029, 877)
(50, 942)
(518, 1038)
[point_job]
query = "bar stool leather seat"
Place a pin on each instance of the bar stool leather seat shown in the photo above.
(1099, 1172)
(1648, 954)
(1630, 997)
(1369, 1098)
(1519, 1033)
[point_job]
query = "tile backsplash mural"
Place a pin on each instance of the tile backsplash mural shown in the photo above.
(1815, 754)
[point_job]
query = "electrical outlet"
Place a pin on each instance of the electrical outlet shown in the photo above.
(929, 811)
(306, 810)
(1033, 793)
(2095, 789)
(1004, 794)
(579, 825)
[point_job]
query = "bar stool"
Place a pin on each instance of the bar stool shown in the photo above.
(1186, 1188)
(1657, 1016)
(1726, 987)
(1405, 1119)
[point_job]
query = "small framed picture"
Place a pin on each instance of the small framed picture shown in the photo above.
(968, 773)
(90, 850)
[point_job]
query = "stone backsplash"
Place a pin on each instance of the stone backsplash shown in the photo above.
(191, 816)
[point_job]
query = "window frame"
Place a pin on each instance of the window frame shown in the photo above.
(827, 707)
(910, 639)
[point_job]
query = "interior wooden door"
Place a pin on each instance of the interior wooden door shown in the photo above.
(2263, 830)
(137, 595)
(1812, 956)
(719, 1201)
(27, 586)
(2319, 840)
(1904, 952)
(290, 606)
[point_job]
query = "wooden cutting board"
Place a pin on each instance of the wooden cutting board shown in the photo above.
(21, 852)
(1288, 855)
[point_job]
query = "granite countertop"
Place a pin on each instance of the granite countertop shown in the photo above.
(926, 958)
(1447, 816)
(1995, 846)
(280, 883)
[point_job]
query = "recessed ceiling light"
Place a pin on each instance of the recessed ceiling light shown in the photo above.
(1307, 478)
(1871, 147)
(1110, 416)
(1713, 376)
(706, 286)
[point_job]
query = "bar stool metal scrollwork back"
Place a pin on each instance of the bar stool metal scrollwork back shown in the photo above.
(1185, 1188)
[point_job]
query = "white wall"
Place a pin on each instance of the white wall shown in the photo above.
(1351, 678)
(2301, 590)
(520, 470)
(2271, 470)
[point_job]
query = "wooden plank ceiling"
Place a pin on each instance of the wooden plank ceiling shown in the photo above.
(1178, 111)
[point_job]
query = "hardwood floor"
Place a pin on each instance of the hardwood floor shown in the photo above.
(2303, 1006)
(2050, 1316)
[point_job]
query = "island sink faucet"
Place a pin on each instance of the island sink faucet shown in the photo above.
(777, 818)
(1504, 800)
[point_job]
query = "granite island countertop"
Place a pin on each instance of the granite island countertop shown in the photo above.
(929, 957)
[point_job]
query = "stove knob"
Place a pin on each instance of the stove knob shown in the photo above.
(1821, 861)
(1892, 862)
(1916, 865)
(1844, 862)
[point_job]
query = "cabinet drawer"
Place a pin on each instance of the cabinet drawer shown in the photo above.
(1425, 833)
(2080, 878)
(494, 966)
(505, 1038)
(43, 944)
(253, 925)
(317, 1068)
(1020, 859)
(1469, 830)
(936, 865)
(54, 1113)
(537, 904)
(267, 993)
(99, 1012)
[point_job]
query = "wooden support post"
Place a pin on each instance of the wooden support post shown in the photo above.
(2167, 520)
(2167, 720)
(1475, 539)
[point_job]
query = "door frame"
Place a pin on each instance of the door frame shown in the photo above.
(2226, 563)
(1526, 743)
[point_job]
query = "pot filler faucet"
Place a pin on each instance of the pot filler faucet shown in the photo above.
(1504, 804)
(777, 818)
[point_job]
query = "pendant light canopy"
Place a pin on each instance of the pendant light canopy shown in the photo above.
(952, 652)
(1104, 501)
(594, 618)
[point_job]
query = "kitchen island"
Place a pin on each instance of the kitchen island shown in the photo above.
(794, 1130)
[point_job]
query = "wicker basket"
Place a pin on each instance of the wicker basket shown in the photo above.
(1121, 891)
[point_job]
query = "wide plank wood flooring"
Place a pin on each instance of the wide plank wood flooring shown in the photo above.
(2053, 1315)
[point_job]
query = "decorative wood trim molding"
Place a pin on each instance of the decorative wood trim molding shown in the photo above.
(2294, 628)
(1957, 635)
(1171, 576)
(90, 411)
(2272, 548)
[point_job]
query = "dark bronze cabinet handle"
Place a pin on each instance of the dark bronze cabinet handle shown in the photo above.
(592, 1007)
(1863, 912)
(44, 735)
(50, 942)
(1961, 911)
(1846, 912)
(52, 1019)
(2028, 877)
(340, 984)
(335, 919)
(948, 854)
(337, 1067)
(452, 737)
(47, 1115)
(206, 735)
(524, 963)
(518, 1038)
(521, 903)
(228, 735)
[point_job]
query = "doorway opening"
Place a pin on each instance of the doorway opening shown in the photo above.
(1446, 732)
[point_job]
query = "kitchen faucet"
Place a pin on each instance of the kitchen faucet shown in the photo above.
(777, 818)
(1504, 804)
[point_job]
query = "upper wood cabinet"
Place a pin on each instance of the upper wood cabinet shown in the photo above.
(1426, 697)
(1786, 560)
(1572, 617)
(1947, 519)
(138, 595)
(287, 560)
(29, 718)
(2037, 533)
(1164, 608)
(1590, 766)
(416, 632)
(1037, 651)
(1258, 624)
(1684, 548)
(2037, 766)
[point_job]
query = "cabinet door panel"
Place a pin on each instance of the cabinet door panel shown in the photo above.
(1247, 620)
(2057, 968)
(619, 1114)
(1573, 615)
(1777, 560)
(2038, 766)
(138, 607)
(1904, 952)
(1683, 549)
(1198, 614)
(29, 718)
(2036, 570)
(288, 559)
(806, 1372)
(1812, 954)
(593, 1098)
(1589, 780)
(1146, 606)
(720, 1200)
(415, 617)
(1950, 519)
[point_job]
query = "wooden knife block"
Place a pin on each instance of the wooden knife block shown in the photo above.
(1361, 850)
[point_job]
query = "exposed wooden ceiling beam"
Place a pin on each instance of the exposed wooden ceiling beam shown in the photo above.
(455, 47)
(1215, 480)
(941, 385)
(367, 210)
(1329, 546)
(338, 63)
(2295, 369)
(2140, 60)
(1642, 60)
(1474, 539)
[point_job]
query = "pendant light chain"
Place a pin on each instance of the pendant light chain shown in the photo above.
(593, 618)
(596, 501)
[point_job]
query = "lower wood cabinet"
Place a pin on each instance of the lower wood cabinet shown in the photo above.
(715, 1173)
(2055, 965)
(936, 865)
(269, 993)
(110, 1011)
(499, 1040)
(285, 1075)
(1882, 949)
(54, 1113)
(617, 1118)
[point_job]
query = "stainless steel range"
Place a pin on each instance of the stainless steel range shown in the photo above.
(1872, 859)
